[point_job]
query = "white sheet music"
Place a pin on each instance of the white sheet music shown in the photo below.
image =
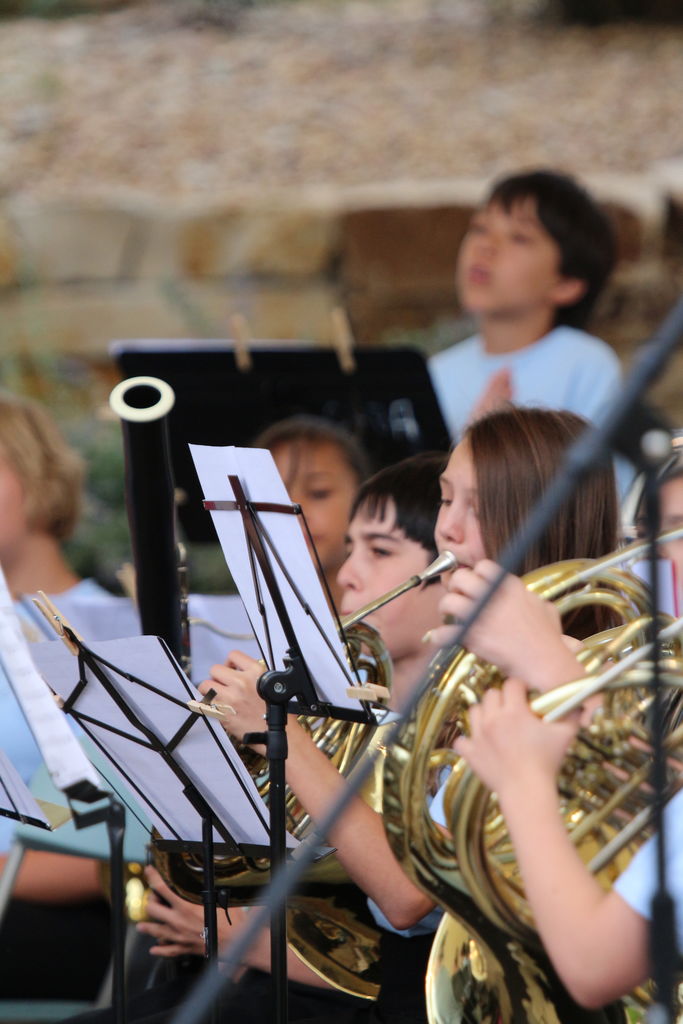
(205, 754)
(61, 752)
(15, 797)
(102, 616)
(262, 483)
(209, 613)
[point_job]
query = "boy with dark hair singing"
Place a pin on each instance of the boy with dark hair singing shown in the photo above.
(534, 259)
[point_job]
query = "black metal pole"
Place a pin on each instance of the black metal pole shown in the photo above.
(209, 899)
(116, 822)
(276, 717)
(662, 934)
(209, 890)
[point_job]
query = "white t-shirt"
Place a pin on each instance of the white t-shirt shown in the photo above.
(637, 884)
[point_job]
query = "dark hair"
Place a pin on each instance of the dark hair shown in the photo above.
(575, 222)
(315, 430)
(413, 486)
(516, 453)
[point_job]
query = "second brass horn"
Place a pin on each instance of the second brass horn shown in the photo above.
(457, 871)
(605, 802)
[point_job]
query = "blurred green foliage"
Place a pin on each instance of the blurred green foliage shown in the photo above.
(101, 544)
(430, 340)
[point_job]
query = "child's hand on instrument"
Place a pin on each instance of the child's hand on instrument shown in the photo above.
(517, 631)
(177, 924)
(509, 745)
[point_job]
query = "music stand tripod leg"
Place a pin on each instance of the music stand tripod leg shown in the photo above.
(114, 816)
(273, 687)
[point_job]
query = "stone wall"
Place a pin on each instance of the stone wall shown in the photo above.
(75, 275)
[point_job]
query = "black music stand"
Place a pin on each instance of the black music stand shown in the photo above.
(16, 800)
(137, 714)
(290, 690)
(387, 401)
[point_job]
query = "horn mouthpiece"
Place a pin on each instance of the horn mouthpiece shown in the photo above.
(443, 563)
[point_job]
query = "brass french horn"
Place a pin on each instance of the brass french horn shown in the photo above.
(485, 963)
(328, 924)
(606, 803)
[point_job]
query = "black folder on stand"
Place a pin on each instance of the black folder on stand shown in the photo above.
(387, 401)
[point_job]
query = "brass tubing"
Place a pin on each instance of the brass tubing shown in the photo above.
(443, 563)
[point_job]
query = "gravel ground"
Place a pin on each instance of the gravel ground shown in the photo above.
(150, 100)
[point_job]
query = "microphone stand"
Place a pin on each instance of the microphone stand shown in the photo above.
(662, 932)
(114, 816)
(586, 452)
(277, 689)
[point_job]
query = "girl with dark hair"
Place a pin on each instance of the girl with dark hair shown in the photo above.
(512, 474)
(579, 922)
(322, 466)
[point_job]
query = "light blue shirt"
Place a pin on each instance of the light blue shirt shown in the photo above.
(637, 884)
(566, 369)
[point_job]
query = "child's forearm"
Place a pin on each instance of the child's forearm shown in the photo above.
(359, 837)
(259, 956)
(580, 925)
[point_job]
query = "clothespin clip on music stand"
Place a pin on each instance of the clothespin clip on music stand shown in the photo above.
(59, 622)
(343, 340)
(241, 339)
